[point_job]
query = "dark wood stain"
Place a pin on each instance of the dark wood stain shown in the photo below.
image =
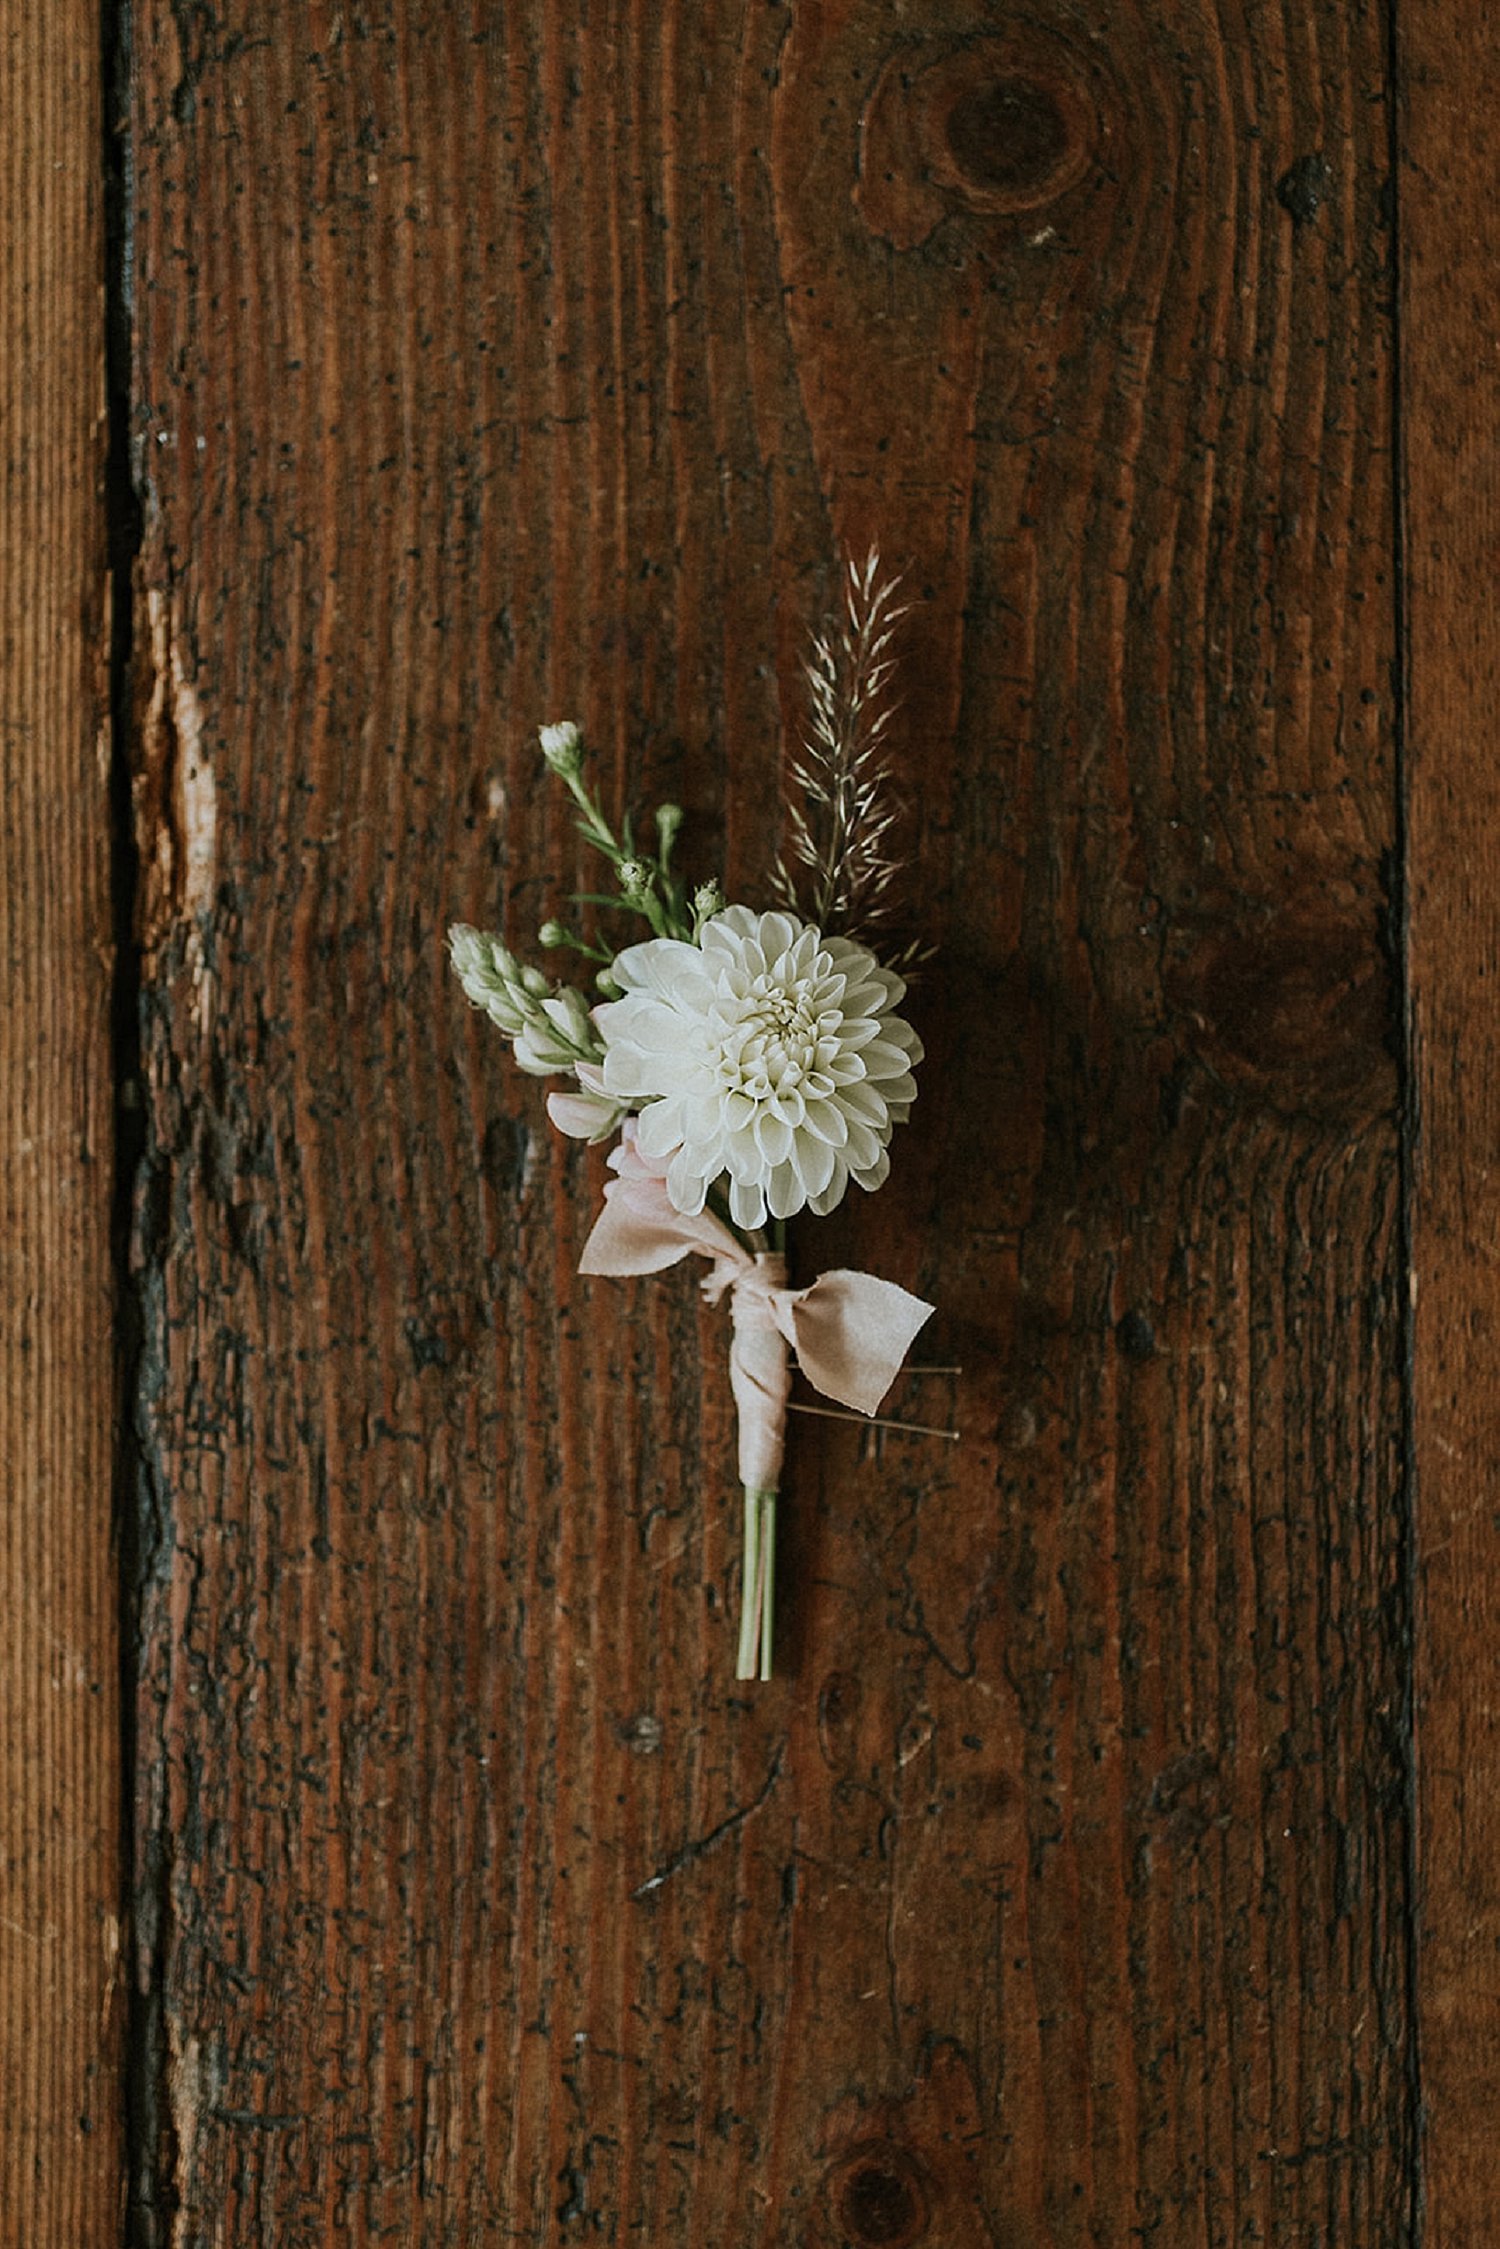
(495, 365)
(62, 1892)
(1450, 238)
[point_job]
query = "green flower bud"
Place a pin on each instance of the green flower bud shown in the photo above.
(552, 934)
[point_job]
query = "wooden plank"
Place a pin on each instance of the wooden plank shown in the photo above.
(498, 365)
(61, 2144)
(1449, 237)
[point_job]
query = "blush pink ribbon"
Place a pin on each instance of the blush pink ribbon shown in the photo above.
(849, 1331)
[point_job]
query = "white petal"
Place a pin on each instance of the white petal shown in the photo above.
(773, 1137)
(877, 1173)
(867, 1102)
(581, 1116)
(659, 1131)
(662, 964)
(722, 935)
(784, 1192)
(747, 1204)
(776, 935)
(864, 1148)
(903, 1088)
(829, 1121)
(833, 1194)
(687, 1189)
(884, 1061)
(815, 1162)
(631, 1074)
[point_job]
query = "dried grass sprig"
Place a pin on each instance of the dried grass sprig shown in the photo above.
(840, 819)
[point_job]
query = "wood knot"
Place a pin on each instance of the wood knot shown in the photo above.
(1296, 1003)
(1000, 125)
(879, 2197)
(838, 1714)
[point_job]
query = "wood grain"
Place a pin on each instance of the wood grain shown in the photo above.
(61, 2140)
(496, 365)
(1450, 240)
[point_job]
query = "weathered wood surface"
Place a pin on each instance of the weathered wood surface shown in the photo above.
(61, 2139)
(503, 364)
(1450, 251)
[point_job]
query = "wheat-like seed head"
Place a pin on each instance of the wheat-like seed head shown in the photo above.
(840, 822)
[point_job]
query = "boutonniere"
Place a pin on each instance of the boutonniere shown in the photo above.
(749, 1062)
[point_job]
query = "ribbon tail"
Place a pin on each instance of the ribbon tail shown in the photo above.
(851, 1333)
(638, 1231)
(623, 1243)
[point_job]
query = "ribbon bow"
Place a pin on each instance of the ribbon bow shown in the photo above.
(849, 1331)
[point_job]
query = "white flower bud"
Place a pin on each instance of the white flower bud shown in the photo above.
(585, 1116)
(551, 1025)
(484, 969)
(560, 747)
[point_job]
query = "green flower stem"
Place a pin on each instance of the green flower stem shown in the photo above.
(758, 1586)
(768, 1581)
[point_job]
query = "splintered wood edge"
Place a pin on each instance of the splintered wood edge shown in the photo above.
(1448, 250)
(61, 2152)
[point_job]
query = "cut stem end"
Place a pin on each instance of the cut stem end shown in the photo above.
(758, 1587)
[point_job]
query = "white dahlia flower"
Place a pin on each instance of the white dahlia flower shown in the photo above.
(767, 1055)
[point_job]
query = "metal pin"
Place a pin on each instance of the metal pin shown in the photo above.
(872, 1421)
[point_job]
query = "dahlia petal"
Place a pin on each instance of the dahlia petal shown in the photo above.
(863, 1147)
(867, 1102)
(776, 935)
(882, 1060)
(687, 1189)
(815, 1161)
(721, 934)
(877, 1173)
(827, 1120)
(666, 965)
(629, 1074)
(658, 1131)
(747, 1203)
(784, 1191)
(742, 1157)
(773, 1136)
(833, 1194)
(900, 1091)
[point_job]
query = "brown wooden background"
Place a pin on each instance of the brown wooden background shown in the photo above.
(390, 1854)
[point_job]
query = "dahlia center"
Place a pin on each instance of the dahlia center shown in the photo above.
(773, 1044)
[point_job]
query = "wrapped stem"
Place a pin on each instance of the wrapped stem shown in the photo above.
(760, 1376)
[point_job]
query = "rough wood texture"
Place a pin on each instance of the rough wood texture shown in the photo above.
(61, 2152)
(496, 365)
(1450, 242)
